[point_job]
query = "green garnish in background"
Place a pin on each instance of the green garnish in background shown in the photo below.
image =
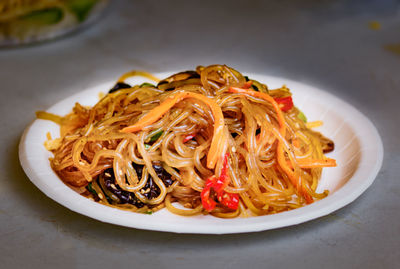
(46, 16)
(81, 8)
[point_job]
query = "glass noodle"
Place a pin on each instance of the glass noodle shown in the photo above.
(145, 147)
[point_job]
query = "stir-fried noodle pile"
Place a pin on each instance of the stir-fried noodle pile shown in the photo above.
(212, 140)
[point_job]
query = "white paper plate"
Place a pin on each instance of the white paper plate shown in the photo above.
(358, 151)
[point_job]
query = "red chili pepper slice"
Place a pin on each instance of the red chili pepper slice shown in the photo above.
(230, 200)
(285, 103)
(217, 185)
(208, 203)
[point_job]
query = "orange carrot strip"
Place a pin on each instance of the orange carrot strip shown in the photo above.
(217, 148)
(154, 114)
(315, 163)
(282, 129)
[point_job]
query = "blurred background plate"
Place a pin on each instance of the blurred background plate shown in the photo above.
(29, 21)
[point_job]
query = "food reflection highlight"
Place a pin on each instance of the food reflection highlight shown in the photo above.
(209, 141)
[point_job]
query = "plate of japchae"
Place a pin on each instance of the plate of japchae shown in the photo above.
(207, 151)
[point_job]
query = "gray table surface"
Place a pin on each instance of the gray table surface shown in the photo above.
(324, 43)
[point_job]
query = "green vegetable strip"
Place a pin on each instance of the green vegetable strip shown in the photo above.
(302, 117)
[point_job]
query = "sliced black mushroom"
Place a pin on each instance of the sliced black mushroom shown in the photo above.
(119, 86)
(124, 197)
(179, 79)
(150, 190)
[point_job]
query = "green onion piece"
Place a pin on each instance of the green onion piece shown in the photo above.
(147, 146)
(148, 212)
(156, 136)
(90, 188)
(146, 84)
(302, 116)
(46, 16)
(81, 8)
